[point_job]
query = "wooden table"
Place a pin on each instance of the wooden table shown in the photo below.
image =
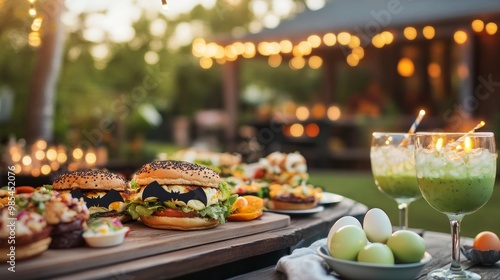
(212, 254)
(437, 244)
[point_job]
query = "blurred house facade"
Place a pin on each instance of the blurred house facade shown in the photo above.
(382, 61)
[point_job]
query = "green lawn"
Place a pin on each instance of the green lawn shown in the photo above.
(361, 187)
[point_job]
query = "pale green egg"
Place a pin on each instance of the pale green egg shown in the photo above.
(347, 242)
(376, 253)
(407, 246)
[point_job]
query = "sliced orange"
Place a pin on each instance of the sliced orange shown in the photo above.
(245, 216)
(246, 208)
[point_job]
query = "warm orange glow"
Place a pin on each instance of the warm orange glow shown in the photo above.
(61, 157)
(297, 62)
(333, 113)
(34, 39)
(388, 37)
(286, 46)
(463, 71)
(359, 51)
(406, 68)
(90, 158)
(39, 155)
(429, 32)
(343, 38)
(434, 70)
(410, 33)
(205, 63)
(212, 49)
(26, 160)
(263, 49)
(302, 113)
(296, 130)
(460, 37)
(439, 144)
(274, 60)
(305, 48)
(41, 144)
(312, 130)
(354, 42)
(491, 28)
(77, 153)
(314, 41)
(318, 111)
(315, 62)
(329, 39)
(199, 46)
(239, 47)
(51, 154)
(249, 50)
(378, 41)
(352, 60)
(45, 169)
(477, 25)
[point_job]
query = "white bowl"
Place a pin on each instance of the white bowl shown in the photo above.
(369, 271)
(106, 240)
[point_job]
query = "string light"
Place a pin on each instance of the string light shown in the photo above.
(300, 50)
(164, 5)
(32, 9)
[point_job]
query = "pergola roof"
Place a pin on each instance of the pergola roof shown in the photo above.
(373, 16)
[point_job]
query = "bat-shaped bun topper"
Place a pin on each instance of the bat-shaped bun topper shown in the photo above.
(110, 197)
(155, 190)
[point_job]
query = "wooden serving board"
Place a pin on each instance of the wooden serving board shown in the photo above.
(141, 242)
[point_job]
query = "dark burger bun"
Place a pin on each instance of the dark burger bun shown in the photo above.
(171, 172)
(281, 205)
(92, 179)
(26, 251)
(194, 223)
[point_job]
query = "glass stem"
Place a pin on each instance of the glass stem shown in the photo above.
(455, 243)
(403, 215)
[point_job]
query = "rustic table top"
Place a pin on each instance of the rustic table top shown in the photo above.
(231, 249)
(437, 244)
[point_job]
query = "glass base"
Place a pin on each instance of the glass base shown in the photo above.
(447, 274)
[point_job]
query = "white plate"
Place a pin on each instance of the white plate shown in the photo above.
(306, 211)
(330, 198)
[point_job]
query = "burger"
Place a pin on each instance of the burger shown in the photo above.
(66, 214)
(226, 164)
(282, 168)
(179, 195)
(286, 197)
(23, 235)
(103, 192)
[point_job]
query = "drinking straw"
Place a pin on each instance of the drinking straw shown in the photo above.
(413, 127)
(416, 122)
(462, 138)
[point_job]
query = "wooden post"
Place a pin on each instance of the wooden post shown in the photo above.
(231, 101)
(43, 85)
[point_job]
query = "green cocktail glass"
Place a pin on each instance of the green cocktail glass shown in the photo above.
(393, 167)
(456, 175)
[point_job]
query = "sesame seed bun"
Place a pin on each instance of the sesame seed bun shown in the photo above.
(178, 223)
(171, 172)
(90, 180)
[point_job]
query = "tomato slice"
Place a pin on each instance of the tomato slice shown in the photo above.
(175, 213)
(24, 189)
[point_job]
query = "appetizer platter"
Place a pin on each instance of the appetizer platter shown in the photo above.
(168, 205)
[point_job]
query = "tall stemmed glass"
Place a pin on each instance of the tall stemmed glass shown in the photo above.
(456, 174)
(393, 167)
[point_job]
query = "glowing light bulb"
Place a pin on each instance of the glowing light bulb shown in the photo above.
(164, 5)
